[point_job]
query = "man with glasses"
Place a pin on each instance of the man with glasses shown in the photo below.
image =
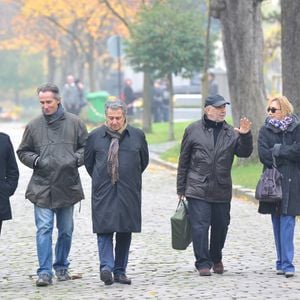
(207, 152)
(53, 146)
(116, 154)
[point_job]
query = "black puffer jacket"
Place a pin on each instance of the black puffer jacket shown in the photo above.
(204, 168)
(286, 147)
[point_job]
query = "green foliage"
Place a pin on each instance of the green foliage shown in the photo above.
(19, 72)
(169, 38)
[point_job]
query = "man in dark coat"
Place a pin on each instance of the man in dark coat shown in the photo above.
(129, 97)
(207, 152)
(116, 154)
(9, 176)
(53, 146)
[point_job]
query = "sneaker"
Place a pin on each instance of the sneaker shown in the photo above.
(62, 275)
(44, 280)
(279, 272)
(106, 277)
(123, 279)
(289, 274)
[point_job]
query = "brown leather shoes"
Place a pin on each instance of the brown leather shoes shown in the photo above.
(123, 279)
(204, 272)
(218, 268)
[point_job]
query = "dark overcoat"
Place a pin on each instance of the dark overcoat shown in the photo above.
(9, 175)
(286, 147)
(116, 207)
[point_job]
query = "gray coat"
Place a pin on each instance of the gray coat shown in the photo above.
(59, 147)
(285, 145)
(116, 208)
(204, 168)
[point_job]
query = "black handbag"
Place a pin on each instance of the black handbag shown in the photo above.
(180, 227)
(269, 187)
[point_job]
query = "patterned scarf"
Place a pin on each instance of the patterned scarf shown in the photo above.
(282, 124)
(113, 152)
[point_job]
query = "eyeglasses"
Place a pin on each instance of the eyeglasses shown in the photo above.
(272, 109)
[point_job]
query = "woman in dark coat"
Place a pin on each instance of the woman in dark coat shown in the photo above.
(280, 137)
(9, 175)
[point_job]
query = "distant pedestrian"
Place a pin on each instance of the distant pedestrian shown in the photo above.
(165, 103)
(157, 102)
(116, 154)
(129, 98)
(280, 137)
(9, 175)
(53, 146)
(71, 96)
(213, 87)
(206, 156)
(80, 89)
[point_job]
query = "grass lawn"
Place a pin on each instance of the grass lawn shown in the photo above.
(160, 132)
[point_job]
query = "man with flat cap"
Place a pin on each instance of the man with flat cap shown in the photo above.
(204, 179)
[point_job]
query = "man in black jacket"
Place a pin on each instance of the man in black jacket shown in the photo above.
(9, 175)
(207, 152)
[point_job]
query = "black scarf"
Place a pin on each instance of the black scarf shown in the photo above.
(56, 116)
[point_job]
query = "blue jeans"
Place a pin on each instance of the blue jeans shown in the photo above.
(118, 264)
(44, 220)
(283, 228)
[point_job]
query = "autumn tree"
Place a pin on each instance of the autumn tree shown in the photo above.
(243, 48)
(167, 39)
(73, 34)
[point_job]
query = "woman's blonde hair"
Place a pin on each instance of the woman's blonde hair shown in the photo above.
(285, 105)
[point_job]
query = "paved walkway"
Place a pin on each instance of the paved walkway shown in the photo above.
(157, 271)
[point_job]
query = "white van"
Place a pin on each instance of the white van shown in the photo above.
(187, 100)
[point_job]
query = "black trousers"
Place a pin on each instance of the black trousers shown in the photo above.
(0, 226)
(204, 216)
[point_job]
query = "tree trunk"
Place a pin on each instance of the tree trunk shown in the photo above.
(90, 63)
(171, 108)
(147, 124)
(290, 45)
(51, 66)
(243, 49)
(206, 59)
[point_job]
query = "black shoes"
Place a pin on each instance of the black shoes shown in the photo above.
(218, 268)
(106, 277)
(204, 272)
(123, 279)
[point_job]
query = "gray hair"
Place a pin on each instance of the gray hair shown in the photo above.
(116, 104)
(49, 87)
